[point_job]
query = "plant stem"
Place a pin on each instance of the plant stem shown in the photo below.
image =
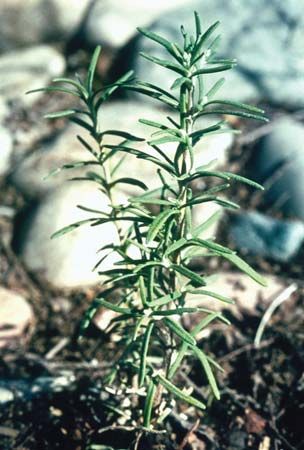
(186, 125)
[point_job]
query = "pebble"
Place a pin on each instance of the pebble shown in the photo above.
(30, 389)
(16, 316)
(7, 211)
(4, 110)
(6, 149)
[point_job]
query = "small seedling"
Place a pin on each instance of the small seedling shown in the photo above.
(151, 288)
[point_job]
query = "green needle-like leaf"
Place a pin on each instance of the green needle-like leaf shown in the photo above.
(154, 124)
(180, 331)
(198, 26)
(215, 88)
(241, 106)
(208, 371)
(81, 89)
(196, 279)
(164, 300)
(165, 63)
(130, 181)
(92, 68)
(231, 112)
(59, 114)
(179, 393)
(55, 89)
(244, 267)
(149, 404)
(202, 41)
(159, 222)
(144, 353)
(212, 69)
(122, 134)
(72, 227)
(162, 41)
(220, 297)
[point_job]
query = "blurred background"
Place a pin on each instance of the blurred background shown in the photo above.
(44, 284)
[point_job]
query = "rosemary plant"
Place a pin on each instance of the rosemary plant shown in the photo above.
(151, 289)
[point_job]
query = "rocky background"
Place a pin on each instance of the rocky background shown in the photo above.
(43, 39)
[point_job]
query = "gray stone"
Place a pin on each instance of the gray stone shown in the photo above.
(31, 68)
(69, 15)
(264, 236)
(31, 22)
(6, 148)
(113, 22)
(269, 48)
(279, 164)
(68, 261)
(31, 174)
(65, 148)
(29, 389)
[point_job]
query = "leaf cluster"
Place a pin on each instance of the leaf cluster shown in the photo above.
(151, 288)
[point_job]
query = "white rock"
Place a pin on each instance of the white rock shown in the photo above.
(68, 14)
(6, 147)
(3, 110)
(113, 22)
(202, 213)
(31, 68)
(67, 261)
(15, 317)
(122, 115)
(6, 396)
(103, 317)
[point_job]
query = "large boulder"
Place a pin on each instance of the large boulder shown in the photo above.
(269, 48)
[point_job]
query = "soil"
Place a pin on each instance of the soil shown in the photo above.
(262, 389)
